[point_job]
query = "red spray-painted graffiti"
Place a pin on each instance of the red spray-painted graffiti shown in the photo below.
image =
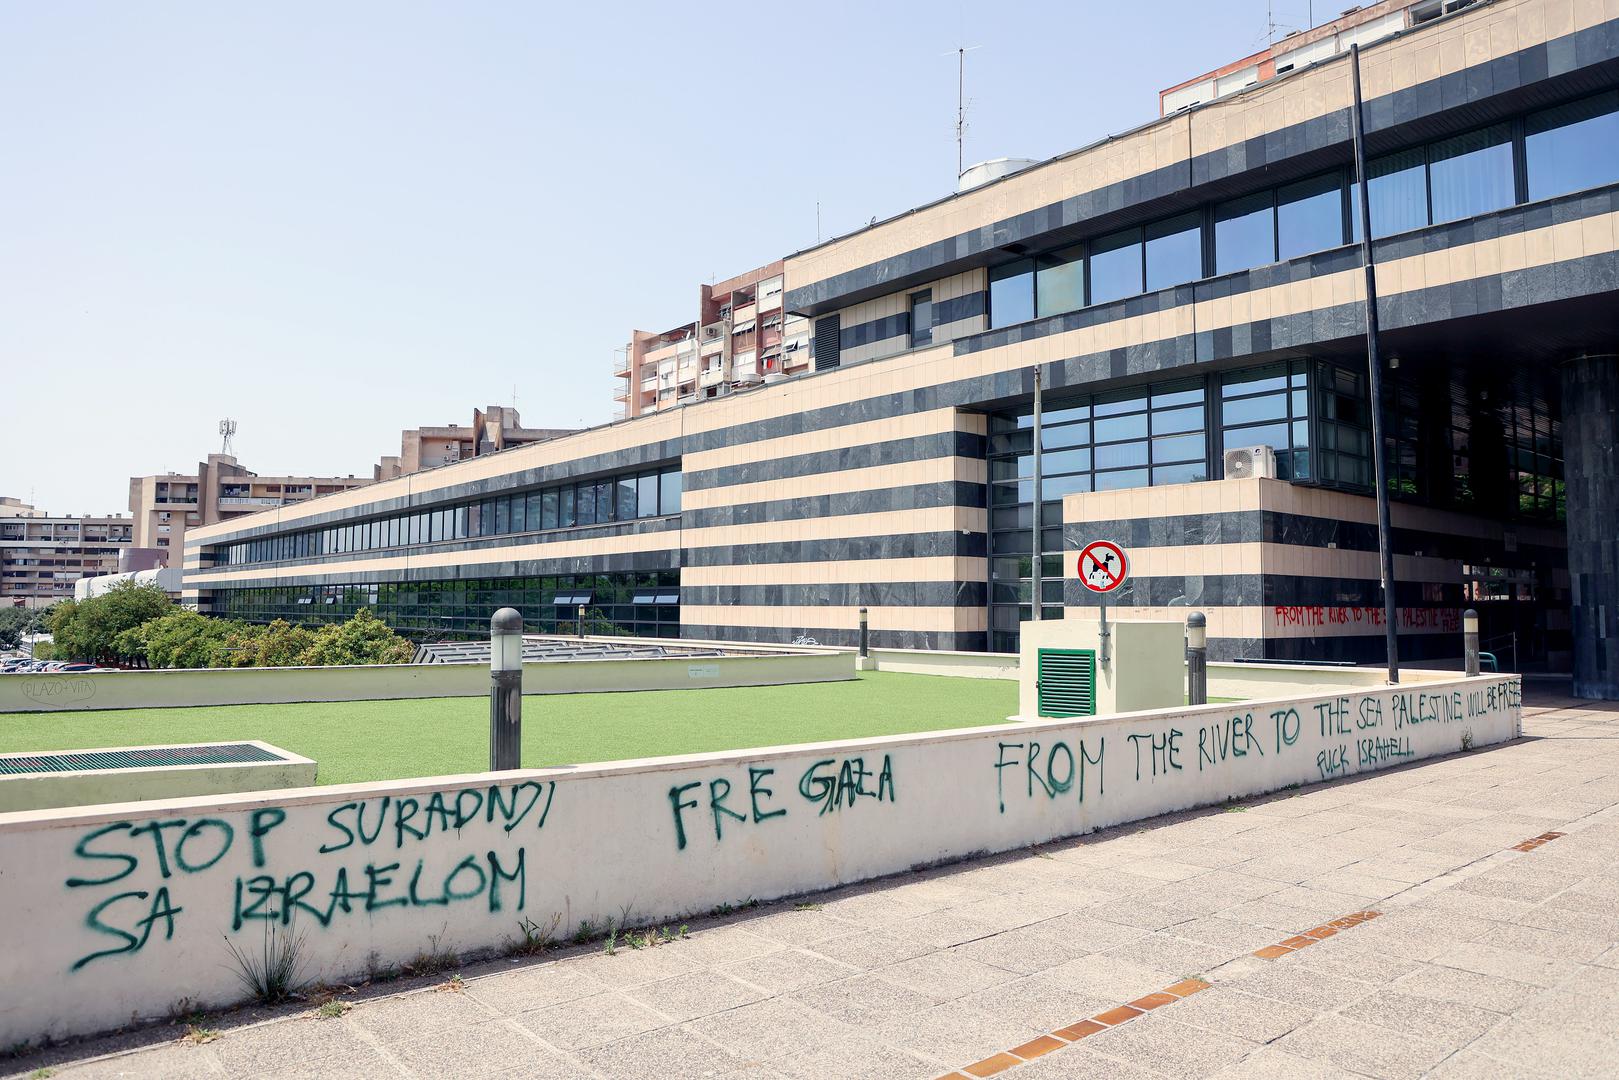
(1442, 620)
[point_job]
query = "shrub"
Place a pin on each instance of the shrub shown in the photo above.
(364, 639)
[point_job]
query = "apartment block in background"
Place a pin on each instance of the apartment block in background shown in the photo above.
(166, 505)
(742, 337)
(42, 555)
(1301, 48)
(493, 429)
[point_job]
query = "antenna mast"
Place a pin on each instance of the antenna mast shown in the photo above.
(961, 106)
(227, 428)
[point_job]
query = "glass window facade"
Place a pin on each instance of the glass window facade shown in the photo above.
(1270, 406)
(633, 605)
(1244, 233)
(600, 501)
(1060, 282)
(1011, 293)
(1567, 148)
(1472, 173)
(1573, 147)
(1310, 216)
(921, 319)
(1174, 251)
(1116, 266)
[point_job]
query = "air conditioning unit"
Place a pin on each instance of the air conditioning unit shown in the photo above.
(1250, 461)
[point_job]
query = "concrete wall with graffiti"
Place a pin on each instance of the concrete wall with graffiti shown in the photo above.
(124, 910)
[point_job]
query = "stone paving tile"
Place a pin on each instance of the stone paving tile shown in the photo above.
(1026, 950)
(1445, 1022)
(888, 945)
(590, 1021)
(411, 1015)
(724, 945)
(630, 967)
(532, 986)
(1274, 1063)
(1166, 952)
(1080, 1060)
(1467, 988)
(788, 969)
(1172, 1049)
(1502, 963)
(1469, 1064)
(952, 1033)
(1039, 1000)
(494, 1046)
(686, 997)
(679, 1051)
(177, 1062)
(273, 1045)
(945, 975)
(1256, 1019)
(1289, 982)
(863, 999)
(1364, 1048)
(802, 927)
(1111, 978)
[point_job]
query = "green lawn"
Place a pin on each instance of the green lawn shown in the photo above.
(385, 740)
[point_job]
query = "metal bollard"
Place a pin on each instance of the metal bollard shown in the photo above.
(581, 626)
(505, 690)
(1470, 641)
(865, 635)
(1197, 659)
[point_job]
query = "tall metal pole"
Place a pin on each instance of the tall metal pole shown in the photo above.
(1039, 501)
(1374, 386)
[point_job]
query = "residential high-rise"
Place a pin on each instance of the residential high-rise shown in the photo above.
(493, 429)
(42, 555)
(166, 505)
(742, 337)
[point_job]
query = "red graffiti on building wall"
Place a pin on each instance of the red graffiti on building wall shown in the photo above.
(1318, 615)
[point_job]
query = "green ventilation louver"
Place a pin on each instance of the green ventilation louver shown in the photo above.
(1065, 682)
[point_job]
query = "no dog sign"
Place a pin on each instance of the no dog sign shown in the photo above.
(1102, 566)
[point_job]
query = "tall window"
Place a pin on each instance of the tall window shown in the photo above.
(1269, 406)
(1060, 282)
(1472, 173)
(921, 319)
(1116, 266)
(1174, 251)
(1573, 147)
(1244, 233)
(1011, 293)
(1397, 194)
(1310, 216)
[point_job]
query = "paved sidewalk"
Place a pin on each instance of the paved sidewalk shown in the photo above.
(1439, 943)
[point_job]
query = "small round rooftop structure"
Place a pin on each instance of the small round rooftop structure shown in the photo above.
(993, 169)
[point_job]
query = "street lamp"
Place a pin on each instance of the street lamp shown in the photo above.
(505, 689)
(1197, 659)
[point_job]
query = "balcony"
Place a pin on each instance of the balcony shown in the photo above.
(621, 362)
(249, 500)
(711, 377)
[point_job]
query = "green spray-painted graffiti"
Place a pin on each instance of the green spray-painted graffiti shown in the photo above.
(178, 850)
(830, 784)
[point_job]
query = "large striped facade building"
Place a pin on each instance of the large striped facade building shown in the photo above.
(1189, 287)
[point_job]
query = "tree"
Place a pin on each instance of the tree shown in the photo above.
(281, 644)
(181, 638)
(89, 630)
(364, 639)
(15, 622)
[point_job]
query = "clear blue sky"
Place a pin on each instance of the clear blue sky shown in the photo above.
(335, 221)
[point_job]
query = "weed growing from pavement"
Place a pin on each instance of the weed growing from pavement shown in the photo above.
(198, 1036)
(434, 959)
(331, 1010)
(273, 973)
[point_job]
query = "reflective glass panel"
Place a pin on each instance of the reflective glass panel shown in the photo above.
(1472, 173)
(1011, 293)
(1060, 282)
(1310, 216)
(1244, 233)
(1174, 251)
(1116, 266)
(1573, 147)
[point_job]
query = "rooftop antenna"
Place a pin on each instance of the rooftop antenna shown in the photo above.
(961, 104)
(227, 429)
